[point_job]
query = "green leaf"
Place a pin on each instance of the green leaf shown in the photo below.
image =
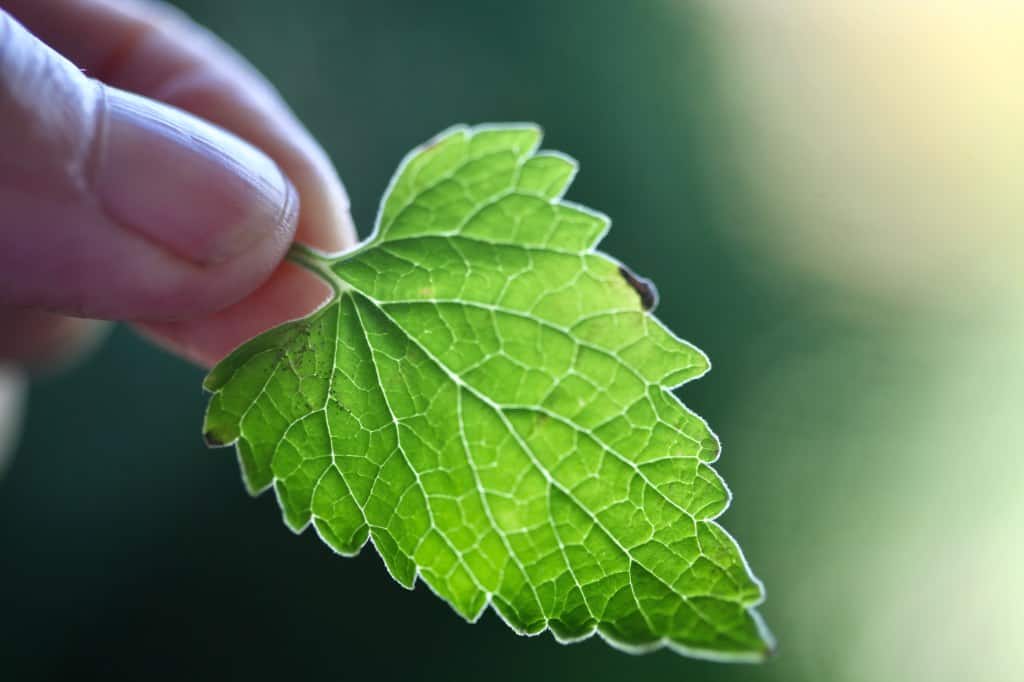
(488, 400)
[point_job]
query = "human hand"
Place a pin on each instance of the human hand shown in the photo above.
(116, 204)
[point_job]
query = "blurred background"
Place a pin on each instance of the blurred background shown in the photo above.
(829, 198)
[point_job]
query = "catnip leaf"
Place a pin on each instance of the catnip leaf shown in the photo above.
(488, 400)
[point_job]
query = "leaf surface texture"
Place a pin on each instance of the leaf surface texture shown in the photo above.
(488, 400)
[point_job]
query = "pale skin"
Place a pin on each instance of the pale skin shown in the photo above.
(149, 174)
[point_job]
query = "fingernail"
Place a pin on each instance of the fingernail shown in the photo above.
(200, 192)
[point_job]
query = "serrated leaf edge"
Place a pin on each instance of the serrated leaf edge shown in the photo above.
(370, 241)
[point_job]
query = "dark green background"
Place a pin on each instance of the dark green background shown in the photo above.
(130, 551)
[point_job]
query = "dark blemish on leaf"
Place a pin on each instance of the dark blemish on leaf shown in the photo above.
(212, 440)
(643, 287)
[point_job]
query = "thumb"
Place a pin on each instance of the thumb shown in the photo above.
(116, 206)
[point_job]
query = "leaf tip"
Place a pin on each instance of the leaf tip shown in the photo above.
(769, 646)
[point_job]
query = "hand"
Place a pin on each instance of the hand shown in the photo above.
(122, 196)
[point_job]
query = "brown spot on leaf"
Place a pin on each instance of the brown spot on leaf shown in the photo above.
(643, 287)
(212, 440)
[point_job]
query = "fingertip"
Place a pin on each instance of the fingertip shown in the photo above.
(121, 207)
(193, 188)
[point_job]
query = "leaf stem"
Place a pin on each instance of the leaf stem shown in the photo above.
(319, 264)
